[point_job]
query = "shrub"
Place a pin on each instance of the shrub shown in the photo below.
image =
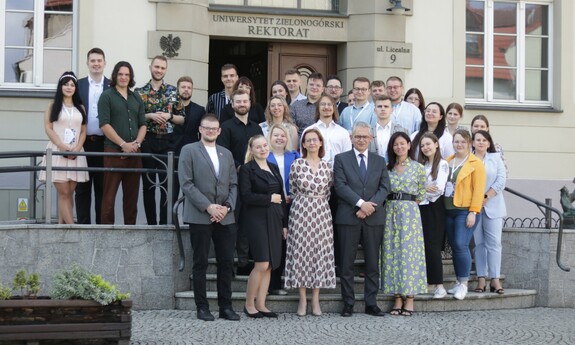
(78, 283)
(5, 292)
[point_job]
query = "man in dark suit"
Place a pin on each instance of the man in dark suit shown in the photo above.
(90, 88)
(209, 181)
(362, 185)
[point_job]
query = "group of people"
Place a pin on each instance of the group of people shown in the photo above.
(296, 186)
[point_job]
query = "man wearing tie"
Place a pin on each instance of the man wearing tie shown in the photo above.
(209, 182)
(90, 88)
(362, 185)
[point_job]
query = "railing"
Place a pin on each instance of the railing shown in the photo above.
(179, 233)
(548, 220)
(166, 160)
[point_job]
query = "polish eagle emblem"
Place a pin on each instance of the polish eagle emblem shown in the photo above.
(170, 45)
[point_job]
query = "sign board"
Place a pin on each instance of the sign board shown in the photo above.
(22, 204)
(393, 55)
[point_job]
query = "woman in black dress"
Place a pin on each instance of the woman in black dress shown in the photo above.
(263, 215)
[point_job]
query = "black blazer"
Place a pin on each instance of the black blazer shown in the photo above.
(84, 89)
(255, 194)
(341, 106)
(189, 132)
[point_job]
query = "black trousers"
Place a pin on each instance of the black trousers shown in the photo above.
(349, 237)
(157, 145)
(83, 196)
(433, 223)
(224, 238)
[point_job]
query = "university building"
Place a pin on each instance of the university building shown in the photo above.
(511, 60)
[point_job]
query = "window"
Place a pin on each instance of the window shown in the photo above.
(36, 39)
(509, 52)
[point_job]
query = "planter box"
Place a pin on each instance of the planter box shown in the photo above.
(46, 319)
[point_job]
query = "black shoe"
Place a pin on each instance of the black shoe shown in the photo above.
(229, 314)
(374, 311)
(204, 314)
(257, 315)
(269, 314)
(244, 270)
(347, 310)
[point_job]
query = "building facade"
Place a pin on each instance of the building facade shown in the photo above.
(510, 60)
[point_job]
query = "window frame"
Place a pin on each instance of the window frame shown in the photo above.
(39, 50)
(489, 34)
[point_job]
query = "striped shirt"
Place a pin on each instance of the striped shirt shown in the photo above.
(216, 103)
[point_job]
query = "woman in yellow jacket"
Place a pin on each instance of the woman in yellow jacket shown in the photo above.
(464, 193)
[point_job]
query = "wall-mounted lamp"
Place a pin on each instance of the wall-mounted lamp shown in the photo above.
(397, 7)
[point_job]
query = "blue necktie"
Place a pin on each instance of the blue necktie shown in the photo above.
(362, 166)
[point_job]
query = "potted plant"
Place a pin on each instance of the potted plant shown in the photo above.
(82, 305)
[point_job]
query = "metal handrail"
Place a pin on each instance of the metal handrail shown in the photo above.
(176, 219)
(549, 208)
(33, 167)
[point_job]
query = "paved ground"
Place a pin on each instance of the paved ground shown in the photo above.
(517, 326)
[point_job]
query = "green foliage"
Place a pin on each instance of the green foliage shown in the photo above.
(78, 283)
(33, 284)
(5, 292)
(19, 282)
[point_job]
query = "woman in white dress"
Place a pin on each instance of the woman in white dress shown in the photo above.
(65, 125)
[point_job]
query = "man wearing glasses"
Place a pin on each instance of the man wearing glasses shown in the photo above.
(362, 185)
(405, 114)
(210, 185)
(362, 109)
(334, 89)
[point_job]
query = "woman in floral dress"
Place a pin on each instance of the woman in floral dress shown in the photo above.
(310, 260)
(402, 252)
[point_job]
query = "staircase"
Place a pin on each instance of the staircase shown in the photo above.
(330, 299)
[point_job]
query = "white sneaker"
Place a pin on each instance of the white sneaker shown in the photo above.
(453, 289)
(461, 292)
(439, 293)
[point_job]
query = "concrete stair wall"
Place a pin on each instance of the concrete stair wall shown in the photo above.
(331, 299)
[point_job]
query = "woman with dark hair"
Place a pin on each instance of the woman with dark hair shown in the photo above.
(277, 113)
(454, 114)
(65, 125)
(265, 220)
(310, 261)
(433, 122)
(279, 88)
(480, 122)
(464, 192)
(256, 113)
(487, 235)
(415, 97)
(432, 209)
(402, 251)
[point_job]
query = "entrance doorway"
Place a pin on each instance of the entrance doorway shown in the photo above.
(266, 62)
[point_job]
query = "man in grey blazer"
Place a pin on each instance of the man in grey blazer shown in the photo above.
(362, 185)
(208, 179)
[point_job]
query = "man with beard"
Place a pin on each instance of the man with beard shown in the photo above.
(405, 114)
(209, 182)
(187, 133)
(159, 98)
(334, 89)
(235, 134)
(303, 111)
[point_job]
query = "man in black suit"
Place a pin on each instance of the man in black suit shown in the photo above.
(209, 181)
(187, 132)
(90, 88)
(362, 185)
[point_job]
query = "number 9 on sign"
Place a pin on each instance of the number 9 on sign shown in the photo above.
(392, 57)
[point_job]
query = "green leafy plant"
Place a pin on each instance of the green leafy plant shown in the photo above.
(19, 281)
(33, 284)
(78, 283)
(5, 292)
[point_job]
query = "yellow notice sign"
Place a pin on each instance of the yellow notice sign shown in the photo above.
(22, 205)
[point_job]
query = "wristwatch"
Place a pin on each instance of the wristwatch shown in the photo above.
(137, 143)
(475, 213)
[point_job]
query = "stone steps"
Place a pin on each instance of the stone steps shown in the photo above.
(331, 303)
(239, 283)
